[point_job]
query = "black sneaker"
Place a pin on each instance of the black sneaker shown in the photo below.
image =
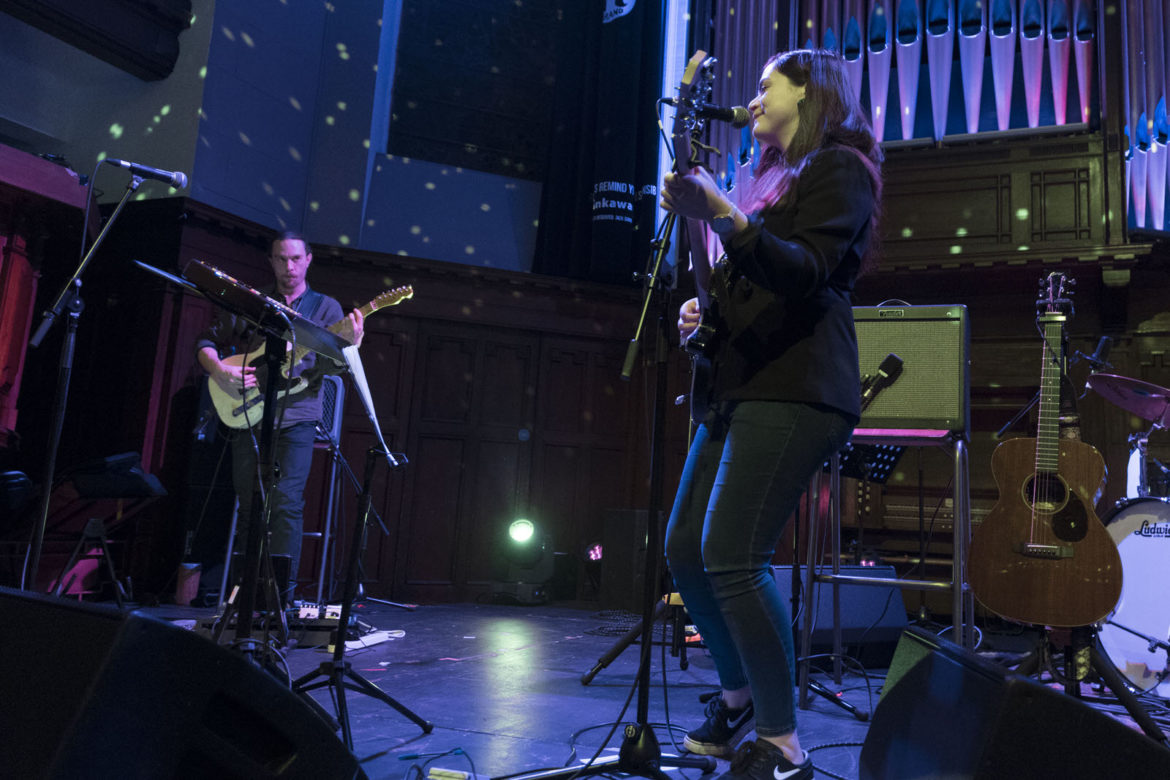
(761, 760)
(723, 729)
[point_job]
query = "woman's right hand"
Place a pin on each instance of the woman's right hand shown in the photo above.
(688, 318)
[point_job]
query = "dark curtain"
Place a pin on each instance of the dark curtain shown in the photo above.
(600, 193)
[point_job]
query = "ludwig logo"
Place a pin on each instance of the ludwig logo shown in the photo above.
(615, 9)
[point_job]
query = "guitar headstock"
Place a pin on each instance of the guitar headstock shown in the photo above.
(391, 297)
(698, 82)
(1056, 294)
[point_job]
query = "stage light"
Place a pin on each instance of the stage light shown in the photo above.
(529, 564)
(521, 530)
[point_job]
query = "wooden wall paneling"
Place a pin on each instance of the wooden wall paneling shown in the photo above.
(473, 401)
(583, 467)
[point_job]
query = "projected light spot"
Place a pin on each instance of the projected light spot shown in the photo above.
(370, 223)
(354, 195)
(293, 153)
(165, 110)
(268, 189)
(228, 34)
(156, 119)
(1021, 214)
(469, 250)
(243, 137)
(365, 143)
(415, 230)
(955, 249)
(247, 39)
(314, 205)
(284, 205)
(960, 232)
(341, 105)
(116, 130)
(343, 240)
(203, 72)
(430, 185)
(294, 102)
(485, 207)
(329, 121)
(907, 232)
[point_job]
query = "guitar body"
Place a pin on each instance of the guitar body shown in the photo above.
(1052, 564)
(238, 409)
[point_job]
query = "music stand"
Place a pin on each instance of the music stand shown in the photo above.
(279, 324)
(337, 672)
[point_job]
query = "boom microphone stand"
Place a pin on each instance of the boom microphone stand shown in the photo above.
(69, 298)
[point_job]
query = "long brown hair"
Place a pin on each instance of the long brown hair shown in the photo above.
(830, 115)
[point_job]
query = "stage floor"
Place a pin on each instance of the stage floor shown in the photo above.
(503, 685)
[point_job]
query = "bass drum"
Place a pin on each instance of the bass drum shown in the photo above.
(1141, 529)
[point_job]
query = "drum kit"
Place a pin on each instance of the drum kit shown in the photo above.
(1136, 636)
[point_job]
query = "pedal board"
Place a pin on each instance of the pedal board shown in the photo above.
(312, 625)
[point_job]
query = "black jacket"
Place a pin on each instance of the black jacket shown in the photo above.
(783, 294)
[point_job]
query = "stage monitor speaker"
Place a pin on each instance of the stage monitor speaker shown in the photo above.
(872, 616)
(934, 343)
(88, 691)
(945, 712)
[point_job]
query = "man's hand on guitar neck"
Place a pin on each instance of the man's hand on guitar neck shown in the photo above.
(352, 328)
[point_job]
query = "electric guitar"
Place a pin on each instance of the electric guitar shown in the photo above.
(695, 89)
(239, 409)
(1042, 556)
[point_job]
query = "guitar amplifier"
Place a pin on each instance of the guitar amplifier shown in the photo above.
(933, 390)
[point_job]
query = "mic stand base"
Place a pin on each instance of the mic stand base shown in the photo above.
(639, 755)
(822, 691)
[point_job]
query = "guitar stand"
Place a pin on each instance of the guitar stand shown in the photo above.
(337, 673)
(1083, 660)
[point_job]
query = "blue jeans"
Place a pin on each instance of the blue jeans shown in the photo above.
(294, 457)
(743, 478)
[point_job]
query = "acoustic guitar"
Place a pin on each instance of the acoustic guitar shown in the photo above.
(1042, 556)
(695, 89)
(238, 408)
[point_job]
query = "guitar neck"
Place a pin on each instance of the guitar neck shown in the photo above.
(1048, 427)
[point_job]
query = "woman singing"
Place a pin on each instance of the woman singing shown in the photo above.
(785, 390)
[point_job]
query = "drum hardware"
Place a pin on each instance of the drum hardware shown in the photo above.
(1141, 529)
(1148, 401)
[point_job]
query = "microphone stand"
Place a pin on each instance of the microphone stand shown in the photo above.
(68, 299)
(640, 753)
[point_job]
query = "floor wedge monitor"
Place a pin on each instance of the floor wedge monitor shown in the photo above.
(946, 712)
(89, 691)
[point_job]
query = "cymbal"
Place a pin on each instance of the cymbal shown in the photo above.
(1146, 400)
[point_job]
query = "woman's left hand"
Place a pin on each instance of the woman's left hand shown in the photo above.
(695, 195)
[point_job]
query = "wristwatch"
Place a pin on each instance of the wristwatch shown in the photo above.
(724, 223)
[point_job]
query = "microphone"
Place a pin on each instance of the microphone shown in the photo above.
(887, 373)
(176, 179)
(738, 116)
(1097, 359)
